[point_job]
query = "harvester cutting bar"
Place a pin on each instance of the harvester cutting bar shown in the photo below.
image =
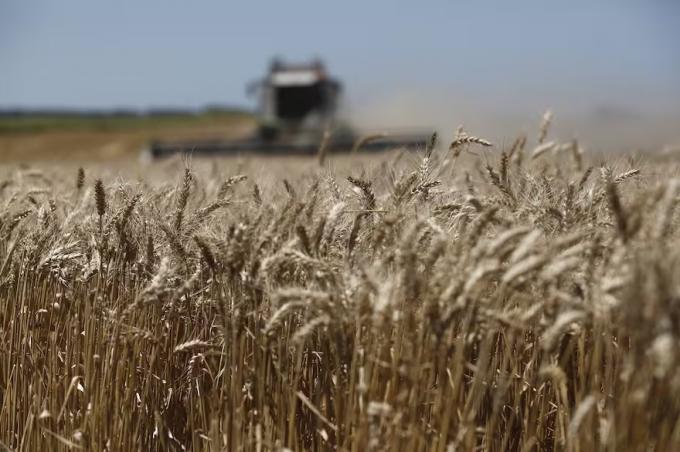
(263, 147)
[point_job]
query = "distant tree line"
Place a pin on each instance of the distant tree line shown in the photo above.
(117, 112)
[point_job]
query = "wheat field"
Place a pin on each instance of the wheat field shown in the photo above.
(458, 298)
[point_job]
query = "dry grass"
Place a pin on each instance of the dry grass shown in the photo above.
(423, 302)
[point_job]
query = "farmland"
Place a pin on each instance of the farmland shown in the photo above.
(77, 136)
(461, 297)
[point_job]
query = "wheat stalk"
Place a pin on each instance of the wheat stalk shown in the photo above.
(360, 142)
(457, 144)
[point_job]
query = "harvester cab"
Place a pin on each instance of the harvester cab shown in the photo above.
(295, 100)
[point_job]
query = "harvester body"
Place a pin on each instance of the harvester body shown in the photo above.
(295, 99)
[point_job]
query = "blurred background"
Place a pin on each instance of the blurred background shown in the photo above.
(609, 70)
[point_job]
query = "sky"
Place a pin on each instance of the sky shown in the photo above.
(615, 60)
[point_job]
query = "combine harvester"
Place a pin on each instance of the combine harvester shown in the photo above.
(296, 115)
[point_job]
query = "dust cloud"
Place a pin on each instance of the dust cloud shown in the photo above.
(604, 127)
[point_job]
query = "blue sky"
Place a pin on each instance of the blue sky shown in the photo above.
(519, 56)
